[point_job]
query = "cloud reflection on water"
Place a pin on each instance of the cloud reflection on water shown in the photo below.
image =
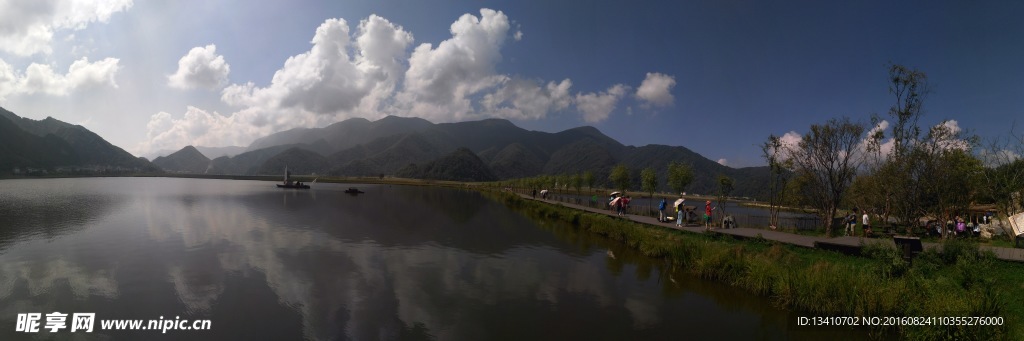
(395, 262)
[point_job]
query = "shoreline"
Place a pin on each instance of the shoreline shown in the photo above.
(825, 283)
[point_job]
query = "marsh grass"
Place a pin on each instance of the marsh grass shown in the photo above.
(956, 281)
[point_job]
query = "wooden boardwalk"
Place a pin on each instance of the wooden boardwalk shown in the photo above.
(842, 244)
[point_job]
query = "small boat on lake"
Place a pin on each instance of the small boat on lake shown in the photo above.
(289, 184)
(353, 190)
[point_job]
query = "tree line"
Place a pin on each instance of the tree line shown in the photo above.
(916, 172)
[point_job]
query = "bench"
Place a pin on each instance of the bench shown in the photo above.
(911, 246)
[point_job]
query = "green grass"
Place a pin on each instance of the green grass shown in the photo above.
(958, 281)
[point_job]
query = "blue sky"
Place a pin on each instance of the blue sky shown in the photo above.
(715, 76)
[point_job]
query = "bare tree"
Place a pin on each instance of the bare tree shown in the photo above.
(829, 156)
(899, 175)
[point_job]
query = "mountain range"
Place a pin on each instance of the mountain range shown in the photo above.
(490, 149)
(50, 146)
(466, 151)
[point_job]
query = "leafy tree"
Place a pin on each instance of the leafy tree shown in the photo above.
(948, 173)
(649, 182)
(779, 171)
(928, 171)
(576, 181)
(679, 176)
(620, 177)
(588, 178)
(725, 186)
(829, 156)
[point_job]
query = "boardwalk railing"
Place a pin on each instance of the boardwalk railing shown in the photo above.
(742, 220)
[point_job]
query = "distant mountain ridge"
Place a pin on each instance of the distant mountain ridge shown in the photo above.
(30, 146)
(186, 160)
(208, 152)
(389, 146)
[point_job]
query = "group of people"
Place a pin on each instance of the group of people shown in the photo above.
(851, 223)
(681, 211)
(958, 227)
(620, 204)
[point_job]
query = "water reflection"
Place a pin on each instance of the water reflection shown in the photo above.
(396, 262)
(30, 213)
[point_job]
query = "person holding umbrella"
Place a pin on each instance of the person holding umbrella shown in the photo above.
(611, 199)
(679, 210)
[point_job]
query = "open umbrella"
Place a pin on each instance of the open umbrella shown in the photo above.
(614, 201)
(616, 193)
(678, 202)
(543, 192)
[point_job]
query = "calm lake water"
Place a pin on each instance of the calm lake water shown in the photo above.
(397, 262)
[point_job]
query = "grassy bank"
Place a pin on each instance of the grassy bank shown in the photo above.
(959, 281)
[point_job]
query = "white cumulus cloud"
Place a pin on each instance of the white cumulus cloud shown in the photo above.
(202, 68)
(596, 107)
(525, 99)
(41, 78)
(440, 80)
(373, 70)
(997, 158)
(327, 80)
(27, 27)
(342, 75)
(196, 127)
(947, 135)
(885, 146)
(656, 89)
(723, 162)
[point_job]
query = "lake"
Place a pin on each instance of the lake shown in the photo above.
(397, 262)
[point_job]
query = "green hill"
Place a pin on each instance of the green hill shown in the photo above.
(56, 146)
(461, 165)
(298, 161)
(186, 160)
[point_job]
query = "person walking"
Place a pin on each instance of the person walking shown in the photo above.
(866, 224)
(661, 210)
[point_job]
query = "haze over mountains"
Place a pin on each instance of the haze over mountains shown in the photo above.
(485, 150)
